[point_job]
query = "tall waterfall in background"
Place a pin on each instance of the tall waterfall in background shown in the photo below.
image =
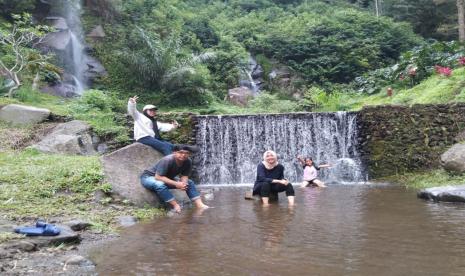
(232, 146)
(76, 59)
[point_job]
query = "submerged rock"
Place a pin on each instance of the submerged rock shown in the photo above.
(445, 193)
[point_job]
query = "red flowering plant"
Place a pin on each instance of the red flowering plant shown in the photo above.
(443, 71)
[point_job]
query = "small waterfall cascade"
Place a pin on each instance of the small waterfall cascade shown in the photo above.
(252, 76)
(67, 42)
(231, 147)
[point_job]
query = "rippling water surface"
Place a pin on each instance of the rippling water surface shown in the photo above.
(340, 230)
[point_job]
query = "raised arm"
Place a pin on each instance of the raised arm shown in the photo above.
(132, 110)
(301, 160)
(324, 166)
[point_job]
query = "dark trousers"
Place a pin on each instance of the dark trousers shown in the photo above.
(162, 146)
(264, 189)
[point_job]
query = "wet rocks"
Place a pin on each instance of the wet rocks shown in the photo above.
(445, 193)
(126, 221)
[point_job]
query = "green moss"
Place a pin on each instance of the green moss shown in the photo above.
(426, 179)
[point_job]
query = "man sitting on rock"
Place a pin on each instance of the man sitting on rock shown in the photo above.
(172, 172)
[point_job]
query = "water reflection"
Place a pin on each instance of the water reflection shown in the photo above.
(340, 230)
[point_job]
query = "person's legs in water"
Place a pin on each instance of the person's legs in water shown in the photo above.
(164, 147)
(194, 195)
(289, 191)
(265, 189)
(319, 183)
(161, 189)
(304, 184)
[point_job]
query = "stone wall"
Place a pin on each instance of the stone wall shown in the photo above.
(397, 139)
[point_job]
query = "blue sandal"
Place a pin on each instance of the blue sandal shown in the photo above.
(41, 229)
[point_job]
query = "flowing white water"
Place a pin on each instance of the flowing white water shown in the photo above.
(232, 146)
(77, 57)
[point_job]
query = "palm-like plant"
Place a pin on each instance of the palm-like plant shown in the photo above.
(161, 64)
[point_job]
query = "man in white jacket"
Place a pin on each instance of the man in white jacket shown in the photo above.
(147, 129)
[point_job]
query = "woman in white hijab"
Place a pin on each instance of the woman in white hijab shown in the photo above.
(270, 179)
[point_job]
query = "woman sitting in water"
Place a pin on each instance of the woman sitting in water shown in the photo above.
(270, 178)
(311, 172)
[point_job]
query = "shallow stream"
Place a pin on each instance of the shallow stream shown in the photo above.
(340, 230)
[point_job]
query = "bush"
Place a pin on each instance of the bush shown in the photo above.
(413, 66)
(269, 103)
(98, 109)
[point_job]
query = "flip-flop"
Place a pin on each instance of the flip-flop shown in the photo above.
(47, 230)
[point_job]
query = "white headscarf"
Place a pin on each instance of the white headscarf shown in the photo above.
(267, 165)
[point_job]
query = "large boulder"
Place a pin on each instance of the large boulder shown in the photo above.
(73, 137)
(453, 160)
(22, 114)
(123, 168)
(445, 193)
(240, 96)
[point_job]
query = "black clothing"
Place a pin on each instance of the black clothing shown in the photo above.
(156, 130)
(154, 125)
(263, 185)
(265, 189)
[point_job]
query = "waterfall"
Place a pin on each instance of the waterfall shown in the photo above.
(77, 56)
(252, 76)
(232, 146)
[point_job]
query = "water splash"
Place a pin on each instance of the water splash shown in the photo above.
(232, 146)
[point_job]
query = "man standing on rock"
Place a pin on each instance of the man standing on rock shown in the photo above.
(172, 172)
(147, 129)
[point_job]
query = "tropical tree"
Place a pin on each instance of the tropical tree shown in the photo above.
(17, 48)
(161, 65)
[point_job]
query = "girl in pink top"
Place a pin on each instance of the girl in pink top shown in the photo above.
(311, 173)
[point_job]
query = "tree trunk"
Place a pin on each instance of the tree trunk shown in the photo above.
(461, 20)
(15, 87)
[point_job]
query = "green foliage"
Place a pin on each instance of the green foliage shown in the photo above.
(413, 66)
(226, 67)
(9, 7)
(322, 41)
(316, 99)
(30, 177)
(161, 66)
(270, 103)
(18, 53)
(431, 19)
(100, 111)
(148, 213)
(427, 179)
